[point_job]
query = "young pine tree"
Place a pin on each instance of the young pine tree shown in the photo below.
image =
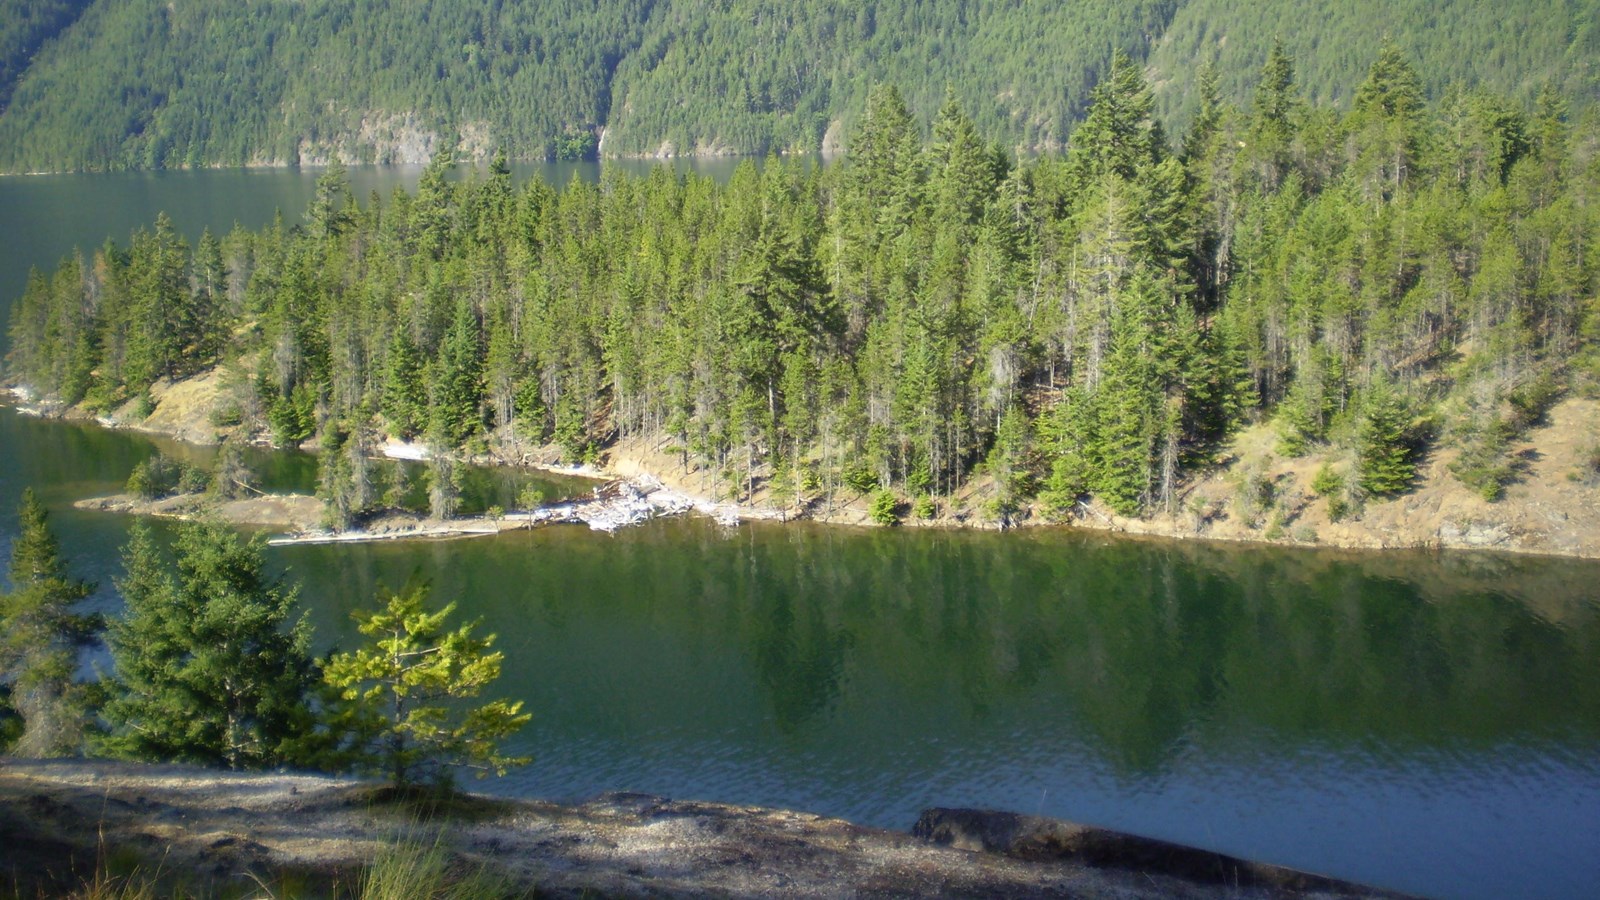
(210, 664)
(38, 636)
(397, 696)
(1384, 442)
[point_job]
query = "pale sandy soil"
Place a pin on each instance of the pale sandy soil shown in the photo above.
(1552, 508)
(274, 511)
(222, 833)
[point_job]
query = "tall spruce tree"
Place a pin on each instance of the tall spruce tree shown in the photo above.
(211, 665)
(39, 634)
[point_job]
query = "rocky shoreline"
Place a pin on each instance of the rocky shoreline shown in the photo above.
(297, 517)
(213, 832)
(1549, 510)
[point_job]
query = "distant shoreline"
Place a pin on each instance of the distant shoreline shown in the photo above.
(1543, 514)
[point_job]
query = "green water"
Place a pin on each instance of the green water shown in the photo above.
(1423, 722)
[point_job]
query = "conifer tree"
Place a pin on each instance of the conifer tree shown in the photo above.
(1119, 136)
(1386, 117)
(1274, 114)
(1386, 464)
(162, 321)
(405, 397)
(399, 710)
(38, 637)
(458, 398)
(210, 664)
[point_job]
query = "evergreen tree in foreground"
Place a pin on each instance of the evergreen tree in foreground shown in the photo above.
(393, 694)
(211, 666)
(38, 634)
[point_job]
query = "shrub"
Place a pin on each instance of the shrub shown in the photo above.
(1532, 399)
(924, 507)
(885, 508)
(161, 476)
(1326, 482)
(142, 480)
(193, 479)
(861, 478)
(227, 415)
(1253, 497)
(1338, 508)
(809, 482)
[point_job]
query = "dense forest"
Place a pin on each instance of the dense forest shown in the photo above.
(1095, 324)
(25, 25)
(150, 84)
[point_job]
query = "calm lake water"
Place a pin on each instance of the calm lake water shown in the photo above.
(1423, 722)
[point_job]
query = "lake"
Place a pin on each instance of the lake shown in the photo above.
(1417, 721)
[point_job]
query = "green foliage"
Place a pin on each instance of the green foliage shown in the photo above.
(531, 497)
(1338, 507)
(1008, 459)
(884, 508)
(575, 145)
(1512, 49)
(1532, 399)
(405, 396)
(293, 418)
(924, 507)
(25, 25)
(1385, 442)
(210, 664)
(861, 479)
(1254, 497)
(233, 478)
(1326, 482)
(400, 697)
(1483, 463)
(540, 80)
(162, 476)
(39, 634)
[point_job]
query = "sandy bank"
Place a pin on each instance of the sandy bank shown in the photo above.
(272, 511)
(222, 831)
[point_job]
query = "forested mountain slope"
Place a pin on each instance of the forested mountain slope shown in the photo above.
(1512, 47)
(149, 83)
(24, 26)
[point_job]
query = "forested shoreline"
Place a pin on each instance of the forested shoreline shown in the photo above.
(918, 318)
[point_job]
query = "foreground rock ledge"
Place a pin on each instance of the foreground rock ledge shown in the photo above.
(220, 830)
